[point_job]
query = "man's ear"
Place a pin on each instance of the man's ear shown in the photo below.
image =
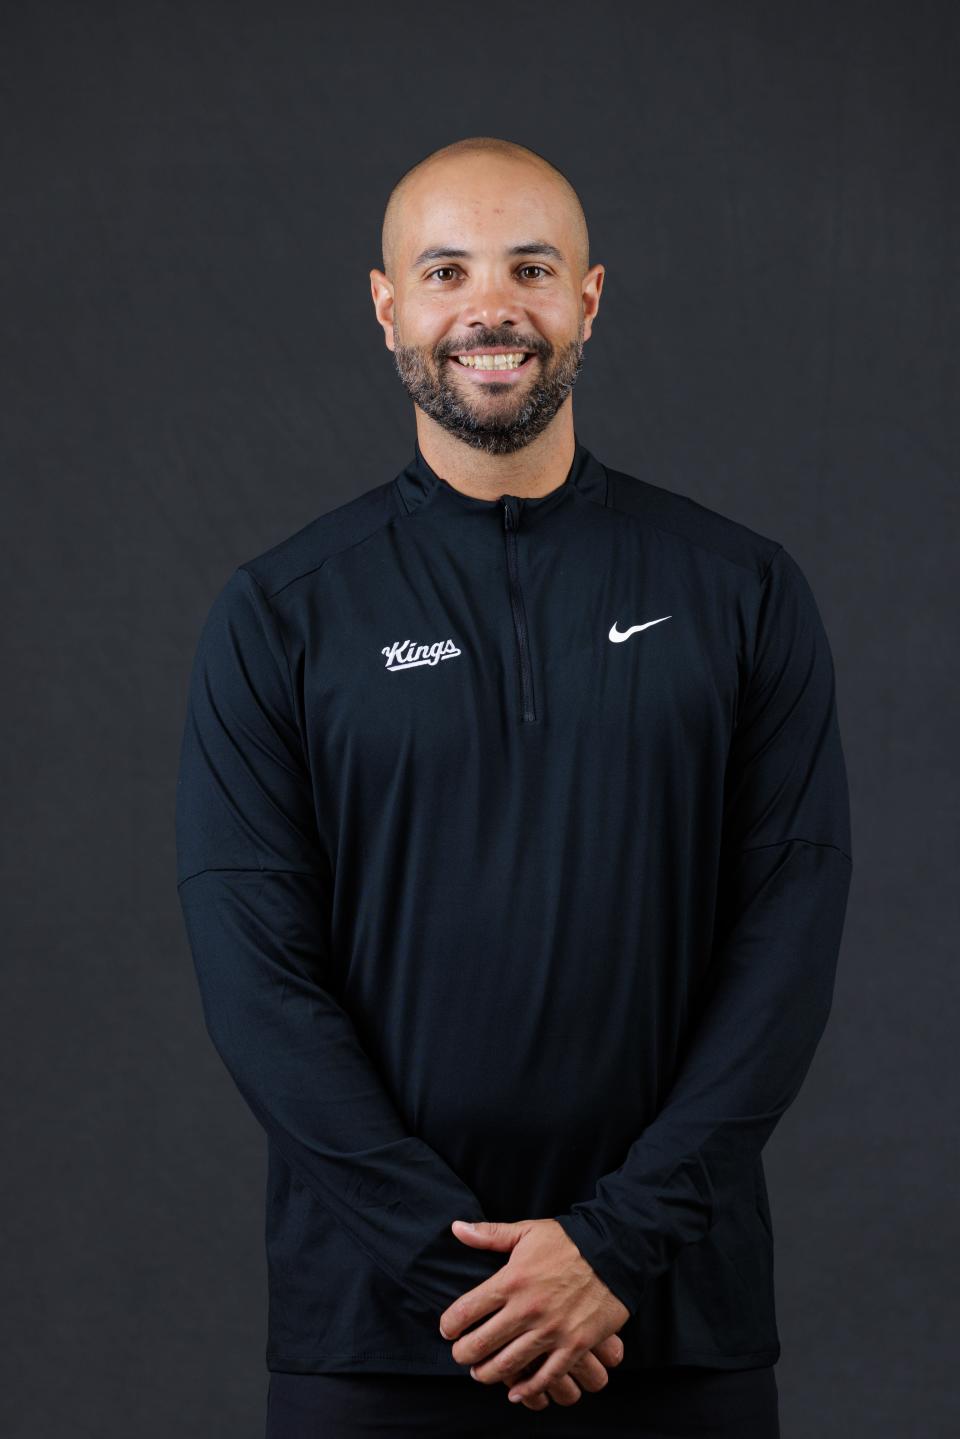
(383, 301)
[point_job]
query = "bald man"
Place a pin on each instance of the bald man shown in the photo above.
(513, 850)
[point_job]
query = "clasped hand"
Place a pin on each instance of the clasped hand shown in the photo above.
(545, 1300)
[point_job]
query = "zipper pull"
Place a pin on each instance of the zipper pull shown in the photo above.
(509, 518)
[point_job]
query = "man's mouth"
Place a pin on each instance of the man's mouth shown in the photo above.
(504, 367)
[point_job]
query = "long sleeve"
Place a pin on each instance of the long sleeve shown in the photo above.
(254, 886)
(783, 879)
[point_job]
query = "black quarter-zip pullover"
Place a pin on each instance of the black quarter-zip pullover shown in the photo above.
(513, 848)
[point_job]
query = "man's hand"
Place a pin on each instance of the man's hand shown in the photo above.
(545, 1300)
(590, 1371)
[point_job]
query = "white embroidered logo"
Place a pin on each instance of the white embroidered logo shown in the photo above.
(405, 655)
(618, 636)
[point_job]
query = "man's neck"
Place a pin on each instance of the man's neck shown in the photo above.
(534, 471)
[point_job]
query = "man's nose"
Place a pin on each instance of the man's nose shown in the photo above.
(493, 303)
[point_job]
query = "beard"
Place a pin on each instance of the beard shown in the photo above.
(507, 418)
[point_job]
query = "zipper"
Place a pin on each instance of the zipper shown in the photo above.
(511, 521)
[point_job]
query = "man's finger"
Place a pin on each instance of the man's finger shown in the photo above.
(485, 1299)
(550, 1372)
(609, 1351)
(590, 1373)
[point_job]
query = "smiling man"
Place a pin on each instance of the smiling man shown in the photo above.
(513, 847)
(488, 329)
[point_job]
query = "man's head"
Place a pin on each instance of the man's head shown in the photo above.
(485, 246)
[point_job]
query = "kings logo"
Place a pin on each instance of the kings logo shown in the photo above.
(405, 655)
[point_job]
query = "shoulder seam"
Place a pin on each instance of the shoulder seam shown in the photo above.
(797, 839)
(675, 534)
(778, 551)
(313, 569)
(266, 600)
(240, 869)
(761, 581)
(294, 711)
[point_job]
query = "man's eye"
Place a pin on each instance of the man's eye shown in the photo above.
(452, 270)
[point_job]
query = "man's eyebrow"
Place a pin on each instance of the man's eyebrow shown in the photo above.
(532, 247)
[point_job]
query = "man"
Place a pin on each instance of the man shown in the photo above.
(514, 852)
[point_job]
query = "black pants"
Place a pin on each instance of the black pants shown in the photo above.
(684, 1402)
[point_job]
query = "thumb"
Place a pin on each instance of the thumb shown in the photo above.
(487, 1233)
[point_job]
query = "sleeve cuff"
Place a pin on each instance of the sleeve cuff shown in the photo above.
(603, 1258)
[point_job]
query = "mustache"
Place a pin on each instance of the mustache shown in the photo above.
(493, 342)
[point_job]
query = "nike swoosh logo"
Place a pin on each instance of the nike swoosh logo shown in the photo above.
(619, 636)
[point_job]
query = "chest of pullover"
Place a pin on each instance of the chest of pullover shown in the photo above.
(493, 778)
(485, 808)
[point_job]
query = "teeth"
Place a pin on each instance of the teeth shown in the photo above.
(492, 362)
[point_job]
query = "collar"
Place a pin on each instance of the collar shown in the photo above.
(419, 485)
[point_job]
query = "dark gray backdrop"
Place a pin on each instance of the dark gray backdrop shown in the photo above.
(191, 199)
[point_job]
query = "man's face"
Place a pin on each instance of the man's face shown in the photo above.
(446, 305)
